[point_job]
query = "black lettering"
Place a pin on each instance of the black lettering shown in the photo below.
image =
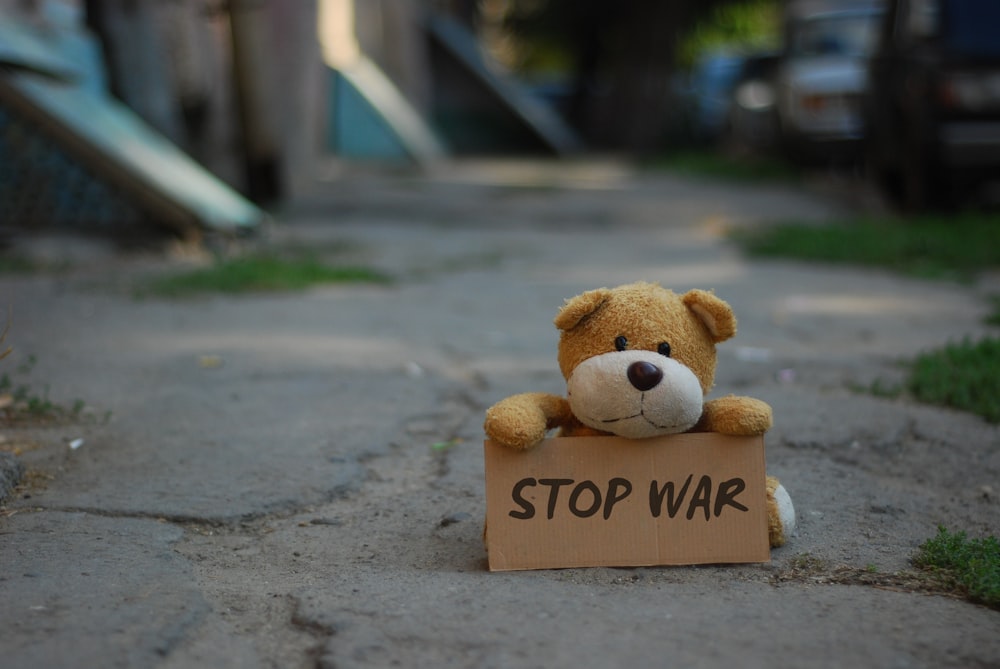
(529, 508)
(673, 504)
(613, 497)
(554, 485)
(574, 497)
(702, 497)
(726, 496)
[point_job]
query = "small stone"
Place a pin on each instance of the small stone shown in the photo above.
(334, 522)
(453, 518)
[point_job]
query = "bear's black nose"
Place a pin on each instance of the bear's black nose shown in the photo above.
(644, 375)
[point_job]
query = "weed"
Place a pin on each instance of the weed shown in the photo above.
(807, 564)
(973, 565)
(20, 403)
(260, 273)
(965, 376)
(962, 376)
(928, 247)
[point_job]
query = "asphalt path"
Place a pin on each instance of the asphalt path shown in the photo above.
(296, 479)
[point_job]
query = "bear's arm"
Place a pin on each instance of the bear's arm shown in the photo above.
(739, 416)
(522, 421)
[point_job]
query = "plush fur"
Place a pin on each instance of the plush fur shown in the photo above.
(638, 361)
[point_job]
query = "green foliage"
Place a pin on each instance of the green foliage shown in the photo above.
(964, 375)
(260, 273)
(714, 165)
(550, 35)
(17, 265)
(928, 247)
(973, 564)
(752, 25)
(20, 264)
(993, 318)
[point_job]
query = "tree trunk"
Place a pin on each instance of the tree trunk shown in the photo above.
(633, 113)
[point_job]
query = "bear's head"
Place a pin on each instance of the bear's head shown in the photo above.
(638, 359)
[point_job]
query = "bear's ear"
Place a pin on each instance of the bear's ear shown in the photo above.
(576, 308)
(715, 313)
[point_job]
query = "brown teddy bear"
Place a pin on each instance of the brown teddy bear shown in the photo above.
(638, 361)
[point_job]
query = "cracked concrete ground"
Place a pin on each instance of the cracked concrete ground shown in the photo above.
(295, 480)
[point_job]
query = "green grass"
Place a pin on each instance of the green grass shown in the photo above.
(259, 273)
(18, 264)
(958, 247)
(963, 375)
(21, 403)
(972, 564)
(718, 166)
(993, 318)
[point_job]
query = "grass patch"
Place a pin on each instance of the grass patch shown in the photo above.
(949, 564)
(928, 247)
(993, 318)
(19, 264)
(719, 166)
(260, 273)
(21, 404)
(972, 565)
(964, 375)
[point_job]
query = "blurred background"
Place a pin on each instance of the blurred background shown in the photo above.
(207, 112)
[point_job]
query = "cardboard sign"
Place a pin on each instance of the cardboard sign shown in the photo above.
(610, 501)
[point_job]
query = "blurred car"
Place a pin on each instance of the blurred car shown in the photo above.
(823, 74)
(933, 110)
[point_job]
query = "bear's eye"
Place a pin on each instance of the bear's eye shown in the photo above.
(663, 349)
(621, 343)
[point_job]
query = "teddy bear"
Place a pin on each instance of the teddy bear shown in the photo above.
(638, 361)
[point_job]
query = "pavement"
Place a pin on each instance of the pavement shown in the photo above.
(296, 479)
